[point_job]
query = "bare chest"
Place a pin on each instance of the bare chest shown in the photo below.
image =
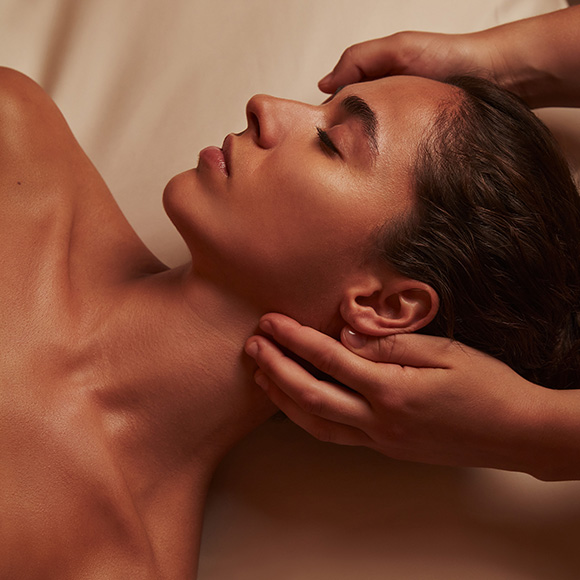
(65, 510)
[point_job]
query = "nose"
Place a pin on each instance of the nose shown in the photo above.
(270, 119)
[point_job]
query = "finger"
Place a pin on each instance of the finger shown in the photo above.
(415, 350)
(322, 351)
(364, 61)
(320, 428)
(312, 396)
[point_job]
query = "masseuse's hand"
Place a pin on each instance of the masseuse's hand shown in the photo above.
(425, 399)
(431, 55)
(537, 58)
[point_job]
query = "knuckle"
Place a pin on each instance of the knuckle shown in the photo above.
(384, 401)
(386, 348)
(404, 35)
(310, 402)
(266, 363)
(323, 433)
(348, 52)
(405, 39)
(400, 388)
(351, 53)
(328, 362)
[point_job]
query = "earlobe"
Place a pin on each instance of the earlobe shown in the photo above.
(404, 306)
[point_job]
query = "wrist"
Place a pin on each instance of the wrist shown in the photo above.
(554, 435)
(513, 63)
(537, 58)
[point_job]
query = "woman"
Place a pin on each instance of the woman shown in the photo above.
(123, 381)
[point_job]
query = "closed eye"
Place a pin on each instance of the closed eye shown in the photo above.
(326, 143)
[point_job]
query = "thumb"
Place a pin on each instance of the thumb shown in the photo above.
(374, 348)
(415, 350)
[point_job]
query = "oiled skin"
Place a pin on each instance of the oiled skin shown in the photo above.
(109, 430)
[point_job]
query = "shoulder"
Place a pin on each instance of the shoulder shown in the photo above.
(21, 99)
(30, 121)
(43, 173)
(41, 163)
(13, 82)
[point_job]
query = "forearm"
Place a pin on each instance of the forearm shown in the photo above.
(539, 58)
(550, 445)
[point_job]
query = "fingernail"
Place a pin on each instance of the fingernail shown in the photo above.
(266, 326)
(252, 348)
(261, 380)
(354, 339)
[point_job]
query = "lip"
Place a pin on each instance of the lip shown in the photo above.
(214, 157)
(227, 152)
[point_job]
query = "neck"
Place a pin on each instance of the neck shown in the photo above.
(177, 370)
(176, 392)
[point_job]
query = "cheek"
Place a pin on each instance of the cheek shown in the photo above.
(310, 222)
(290, 205)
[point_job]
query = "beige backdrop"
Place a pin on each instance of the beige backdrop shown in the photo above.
(145, 84)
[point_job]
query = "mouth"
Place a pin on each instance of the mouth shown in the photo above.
(227, 151)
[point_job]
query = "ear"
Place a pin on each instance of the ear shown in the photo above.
(378, 308)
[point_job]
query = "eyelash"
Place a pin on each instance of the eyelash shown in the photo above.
(326, 142)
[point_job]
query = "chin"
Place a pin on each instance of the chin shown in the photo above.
(178, 207)
(171, 197)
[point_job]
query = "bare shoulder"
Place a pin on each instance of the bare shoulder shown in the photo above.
(13, 80)
(43, 169)
(32, 128)
(14, 83)
(21, 100)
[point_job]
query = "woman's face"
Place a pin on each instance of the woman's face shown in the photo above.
(285, 213)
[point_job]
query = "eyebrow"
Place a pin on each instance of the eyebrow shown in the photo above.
(359, 109)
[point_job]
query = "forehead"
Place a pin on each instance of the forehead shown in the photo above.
(405, 108)
(403, 94)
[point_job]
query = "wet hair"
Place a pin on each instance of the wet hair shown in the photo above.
(495, 231)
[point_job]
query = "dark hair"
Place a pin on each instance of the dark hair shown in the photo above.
(496, 233)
